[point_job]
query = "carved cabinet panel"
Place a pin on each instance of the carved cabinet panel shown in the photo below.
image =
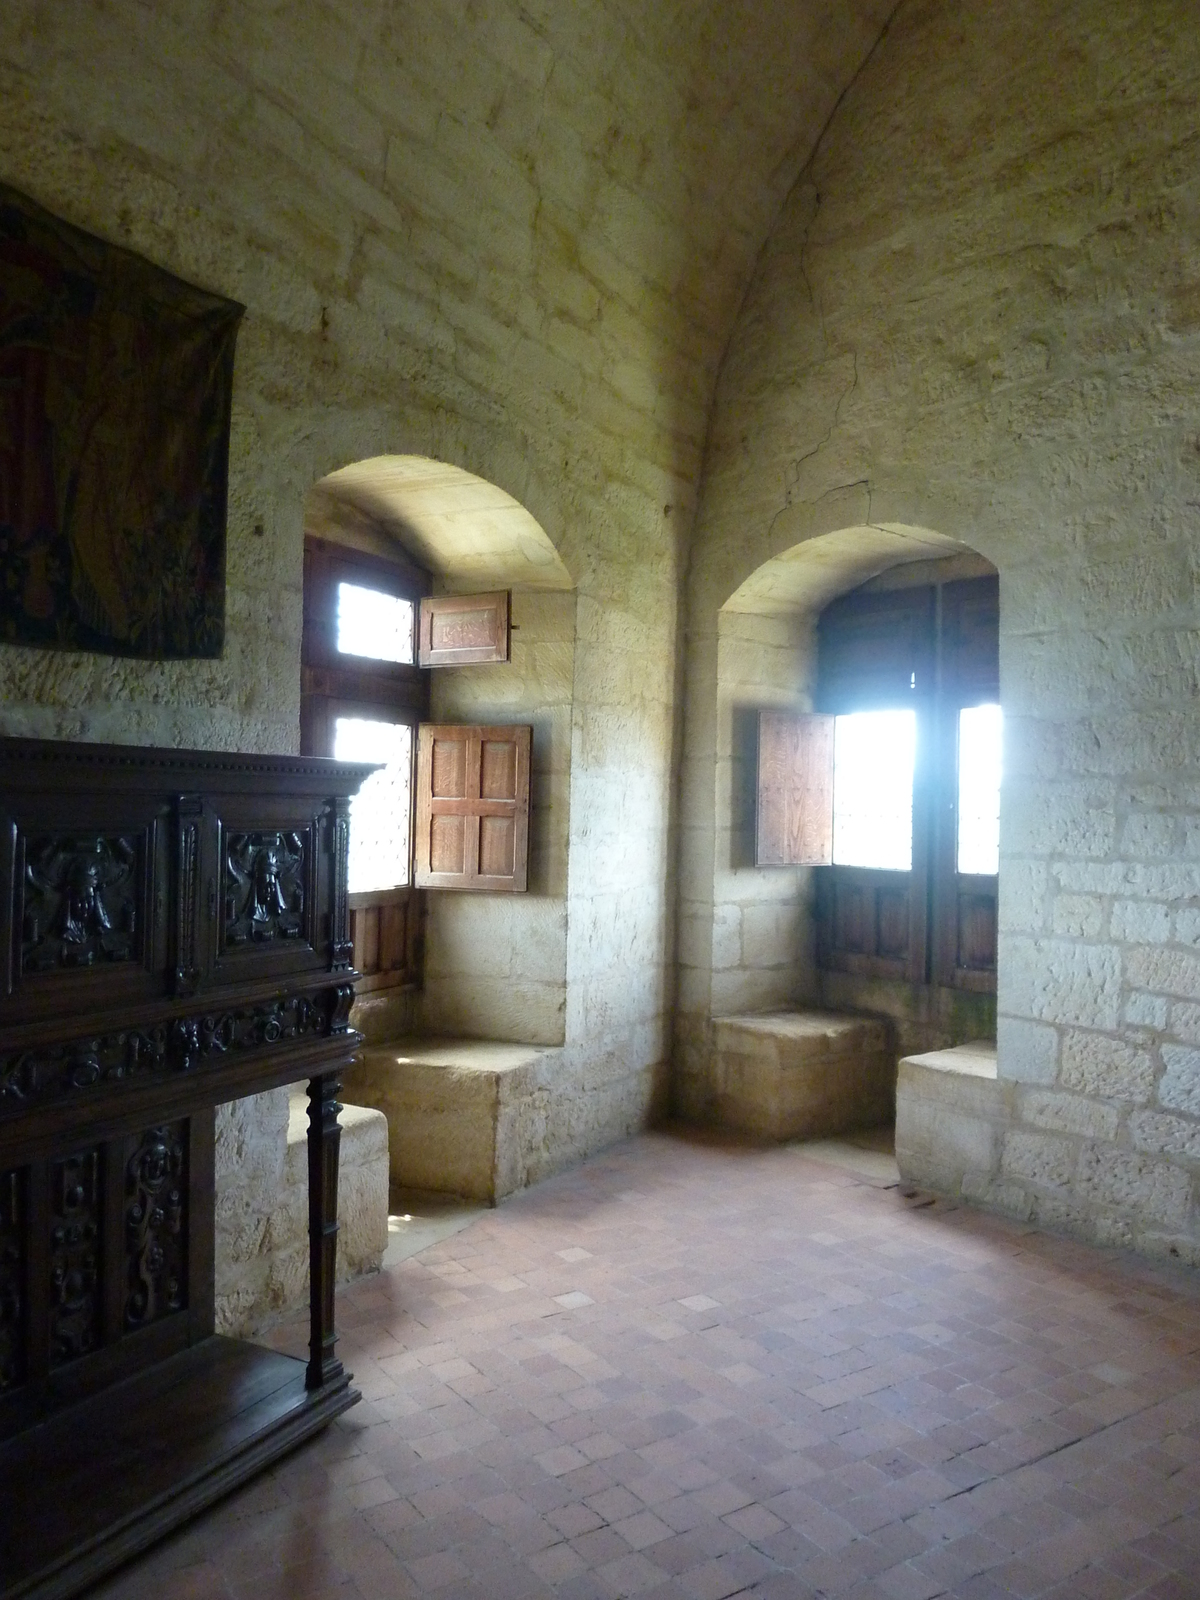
(175, 933)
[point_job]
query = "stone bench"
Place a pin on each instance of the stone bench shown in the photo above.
(802, 1074)
(951, 1115)
(464, 1115)
(362, 1200)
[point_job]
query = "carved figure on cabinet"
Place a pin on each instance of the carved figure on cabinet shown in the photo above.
(154, 1224)
(80, 902)
(264, 897)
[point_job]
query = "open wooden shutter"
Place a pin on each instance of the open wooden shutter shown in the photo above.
(456, 630)
(472, 807)
(794, 820)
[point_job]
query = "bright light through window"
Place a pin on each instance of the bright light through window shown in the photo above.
(379, 812)
(980, 730)
(873, 757)
(373, 624)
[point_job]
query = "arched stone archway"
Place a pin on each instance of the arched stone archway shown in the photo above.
(469, 533)
(747, 933)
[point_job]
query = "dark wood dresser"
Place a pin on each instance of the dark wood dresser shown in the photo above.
(173, 934)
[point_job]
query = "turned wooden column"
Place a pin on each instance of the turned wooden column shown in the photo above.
(324, 1141)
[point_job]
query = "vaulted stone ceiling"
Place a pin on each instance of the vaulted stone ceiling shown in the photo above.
(593, 178)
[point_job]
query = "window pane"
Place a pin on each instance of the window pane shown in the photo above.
(379, 812)
(373, 624)
(980, 731)
(873, 757)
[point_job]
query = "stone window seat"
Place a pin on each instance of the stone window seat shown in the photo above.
(802, 1074)
(952, 1111)
(362, 1213)
(465, 1116)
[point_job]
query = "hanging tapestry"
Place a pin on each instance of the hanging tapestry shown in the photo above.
(115, 386)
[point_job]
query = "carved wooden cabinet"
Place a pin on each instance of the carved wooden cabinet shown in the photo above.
(173, 934)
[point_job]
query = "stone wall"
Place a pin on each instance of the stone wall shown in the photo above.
(980, 314)
(496, 965)
(508, 239)
(747, 944)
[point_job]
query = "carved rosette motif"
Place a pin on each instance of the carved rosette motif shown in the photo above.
(12, 1282)
(79, 902)
(156, 1225)
(74, 1256)
(264, 887)
(31, 1076)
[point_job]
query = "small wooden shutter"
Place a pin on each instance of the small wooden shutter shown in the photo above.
(457, 630)
(472, 807)
(794, 822)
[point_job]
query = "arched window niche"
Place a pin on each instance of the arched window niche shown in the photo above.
(478, 965)
(883, 639)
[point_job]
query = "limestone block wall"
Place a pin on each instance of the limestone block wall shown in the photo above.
(495, 964)
(510, 240)
(979, 314)
(747, 945)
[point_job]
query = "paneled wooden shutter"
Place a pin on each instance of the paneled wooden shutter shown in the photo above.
(472, 807)
(794, 820)
(456, 630)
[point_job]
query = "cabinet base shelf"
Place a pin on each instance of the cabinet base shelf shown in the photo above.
(101, 1480)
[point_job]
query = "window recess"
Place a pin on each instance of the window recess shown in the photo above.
(362, 698)
(893, 784)
(449, 808)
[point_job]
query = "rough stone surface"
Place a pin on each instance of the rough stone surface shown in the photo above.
(465, 1117)
(262, 1254)
(547, 245)
(496, 965)
(977, 316)
(802, 1074)
(511, 240)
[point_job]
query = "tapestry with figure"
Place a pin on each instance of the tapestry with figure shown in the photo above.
(115, 390)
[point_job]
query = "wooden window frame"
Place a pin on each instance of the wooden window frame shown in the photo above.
(936, 656)
(387, 922)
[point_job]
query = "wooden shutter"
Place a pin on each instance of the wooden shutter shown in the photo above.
(794, 821)
(472, 807)
(457, 630)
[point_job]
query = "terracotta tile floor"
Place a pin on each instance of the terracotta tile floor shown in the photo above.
(689, 1370)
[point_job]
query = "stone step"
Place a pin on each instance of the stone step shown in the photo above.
(802, 1074)
(951, 1115)
(464, 1115)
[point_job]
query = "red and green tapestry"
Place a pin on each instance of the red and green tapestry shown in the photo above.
(115, 386)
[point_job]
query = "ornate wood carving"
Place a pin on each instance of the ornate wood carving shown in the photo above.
(80, 901)
(341, 948)
(34, 1076)
(264, 887)
(160, 917)
(324, 1144)
(12, 1281)
(74, 1256)
(188, 811)
(156, 1225)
